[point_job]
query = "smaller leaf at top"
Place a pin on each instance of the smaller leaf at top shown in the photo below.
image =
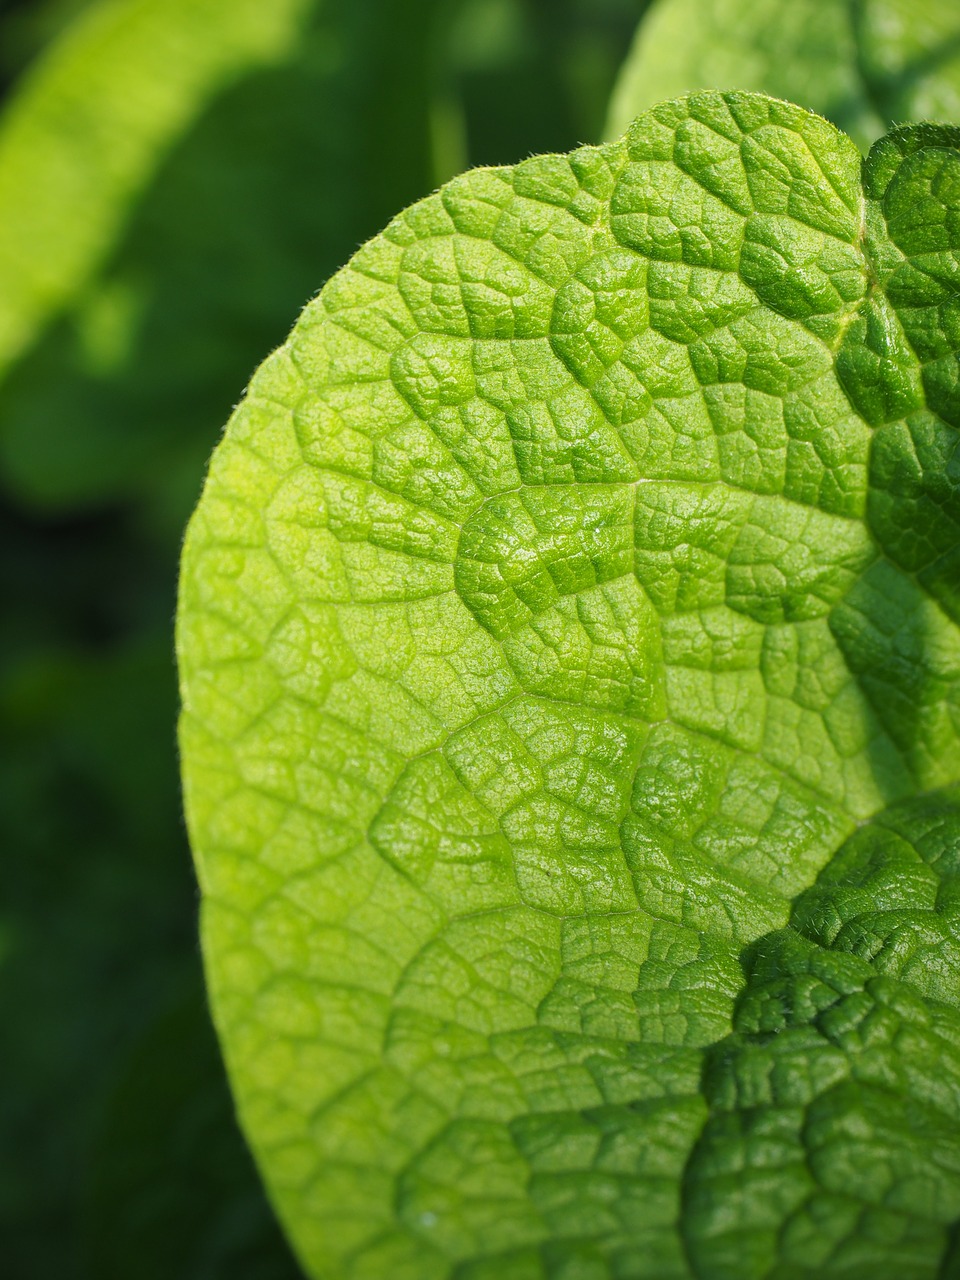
(865, 65)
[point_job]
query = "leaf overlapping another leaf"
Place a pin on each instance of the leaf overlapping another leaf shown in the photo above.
(567, 591)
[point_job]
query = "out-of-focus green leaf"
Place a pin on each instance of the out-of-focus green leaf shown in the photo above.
(250, 210)
(27, 27)
(86, 129)
(864, 64)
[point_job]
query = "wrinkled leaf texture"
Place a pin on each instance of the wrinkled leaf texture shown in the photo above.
(569, 653)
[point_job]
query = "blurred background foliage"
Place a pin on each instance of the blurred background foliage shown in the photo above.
(177, 177)
(867, 65)
(120, 1156)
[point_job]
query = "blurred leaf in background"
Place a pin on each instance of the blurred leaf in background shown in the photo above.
(26, 26)
(864, 64)
(177, 177)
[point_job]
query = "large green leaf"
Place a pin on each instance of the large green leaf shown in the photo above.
(864, 64)
(565, 596)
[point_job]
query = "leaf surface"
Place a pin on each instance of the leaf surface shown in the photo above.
(569, 649)
(867, 65)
